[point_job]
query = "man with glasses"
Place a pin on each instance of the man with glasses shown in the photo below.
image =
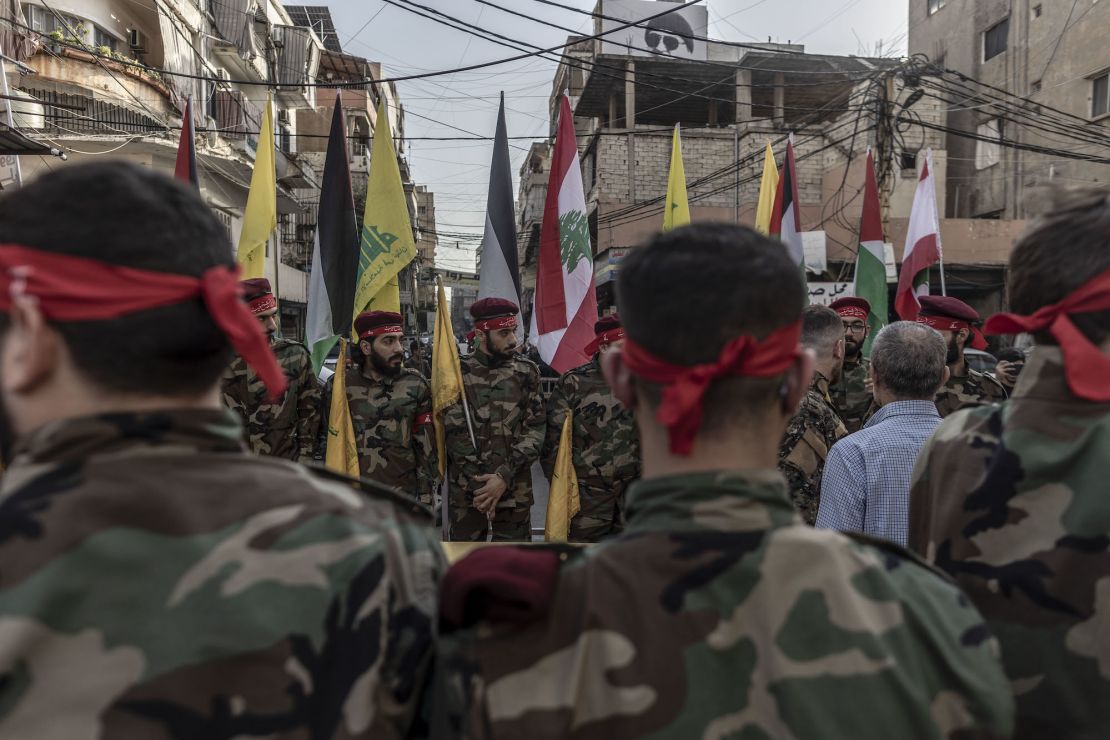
(851, 396)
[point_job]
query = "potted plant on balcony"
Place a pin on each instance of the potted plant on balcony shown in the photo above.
(56, 37)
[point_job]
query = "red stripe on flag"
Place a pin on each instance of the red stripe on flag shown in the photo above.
(551, 303)
(923, 255)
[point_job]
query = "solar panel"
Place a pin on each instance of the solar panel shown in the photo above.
(318, 18)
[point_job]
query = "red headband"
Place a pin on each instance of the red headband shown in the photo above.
(1086, 368)
(946, 323)
(681, 409)
(378, 331)
(262, 303)
(498, 322)
(852, 312)
(74, 289)
(604, 338)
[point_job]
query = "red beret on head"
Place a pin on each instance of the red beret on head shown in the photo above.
(494, 313)
(945, 313)
(856, 308)
(258, 295)
(608, 330)
(370, 324)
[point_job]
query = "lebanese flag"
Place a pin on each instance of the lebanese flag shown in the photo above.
(922, 245)
(186, 166)
(564, 310)
(786, 220)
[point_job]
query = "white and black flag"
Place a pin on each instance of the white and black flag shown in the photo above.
(499, 272)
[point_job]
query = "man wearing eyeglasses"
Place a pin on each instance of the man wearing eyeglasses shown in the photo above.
(851, 396)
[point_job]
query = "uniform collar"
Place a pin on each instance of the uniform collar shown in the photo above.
(386, 380)
(903, 408)
(820, 384)
(723, 501)
(79, 438)
(1043, 377)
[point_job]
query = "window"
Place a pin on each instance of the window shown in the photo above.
(1037, 10)
(935, 5)
(101, 38)
(1100, 95)
(987, 148)
(995, 39)
(908, 161)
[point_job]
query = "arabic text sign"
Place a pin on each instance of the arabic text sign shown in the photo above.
(825, 293)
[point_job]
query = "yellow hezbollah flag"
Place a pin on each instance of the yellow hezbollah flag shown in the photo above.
(260, 216)
(447, 385)
(387, 243)
(677, 211)
(768, 184)
(562, 501)
(342, 452)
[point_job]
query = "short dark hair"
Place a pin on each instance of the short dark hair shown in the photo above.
(909, 360)
(1064, 248)
(687, 292)
(822, 328)
(124, 214)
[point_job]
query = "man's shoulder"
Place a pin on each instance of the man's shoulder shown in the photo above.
(289, 352)
(329, 479)
(525, 366)
(410, 378)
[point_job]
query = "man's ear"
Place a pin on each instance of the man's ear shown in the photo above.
(838, 350)
(366, 346)
(32, 349)
(797, 382)
(963, 336)
(944, 377)
(617, 375)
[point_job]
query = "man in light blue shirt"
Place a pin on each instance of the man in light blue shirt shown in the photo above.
(866, 485)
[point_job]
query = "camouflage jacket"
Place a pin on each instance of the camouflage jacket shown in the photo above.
(973, 389)
(850, 398)
(606, 443)
(1011, 500)
(811, 433)
(717, 614)
(289, 428)
(392, 420)
(160, 583)
(507, 410)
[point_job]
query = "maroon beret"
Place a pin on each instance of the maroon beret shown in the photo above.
(948, 307)
(375, 323)
(608, 330)
(493, 308)
(607, 322)
(255, 287)
(851, 307)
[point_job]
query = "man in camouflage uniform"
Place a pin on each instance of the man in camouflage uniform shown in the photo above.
(851, 398)
(716, 613)
(286, 427)
(956, 321)
(490, 487)
(1011, 499)
(391, 411)
(418, 359)
(159, 581)
(606, 445)
(815, 427)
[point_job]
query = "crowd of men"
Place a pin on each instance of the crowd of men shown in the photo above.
(785, 526)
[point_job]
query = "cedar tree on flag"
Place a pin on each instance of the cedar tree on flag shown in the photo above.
(186, 167)
(499, 272)
(786, 222)
(923, 247)
(331, 285)
(677, 211)
(565, 307)
(870, 265)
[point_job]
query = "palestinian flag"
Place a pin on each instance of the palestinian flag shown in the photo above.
(499, 272)
(786, 221)
(870, 265)
(565, 307)
(186, 167)
(922, 245)
(331, 286)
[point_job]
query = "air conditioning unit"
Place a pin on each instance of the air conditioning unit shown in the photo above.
(222, 74)
(136, 40)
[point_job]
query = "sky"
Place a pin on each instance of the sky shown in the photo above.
(457, 171)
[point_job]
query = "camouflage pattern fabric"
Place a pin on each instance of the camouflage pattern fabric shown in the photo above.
(392, 423)
(288, 428)
(161, 583)
(717, 614)
(973, 389)
(811, 433)
(1011, 500)
(507, 409)
(850, 398)
(606, 449)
